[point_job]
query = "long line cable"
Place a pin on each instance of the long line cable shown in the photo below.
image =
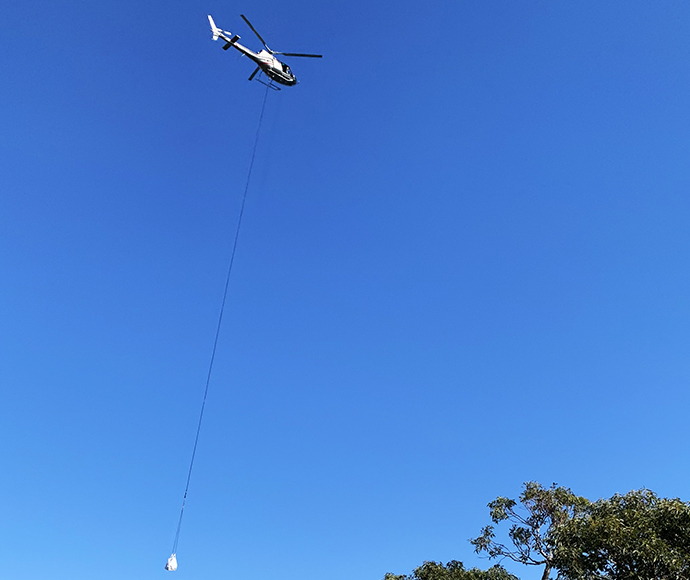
(220, 318)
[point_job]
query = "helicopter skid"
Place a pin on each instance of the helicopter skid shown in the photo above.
(268, 84)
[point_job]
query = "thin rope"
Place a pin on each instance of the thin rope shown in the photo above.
(220, 319)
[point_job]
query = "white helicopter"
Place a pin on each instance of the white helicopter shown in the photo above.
(266, 61)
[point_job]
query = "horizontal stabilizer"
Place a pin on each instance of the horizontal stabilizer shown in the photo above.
(230, 42)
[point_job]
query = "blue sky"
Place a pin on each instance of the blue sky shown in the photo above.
(463, 266)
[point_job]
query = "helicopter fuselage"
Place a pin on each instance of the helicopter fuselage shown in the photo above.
(265, 60)
(273, 68)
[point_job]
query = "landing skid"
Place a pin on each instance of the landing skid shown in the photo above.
(268, 84)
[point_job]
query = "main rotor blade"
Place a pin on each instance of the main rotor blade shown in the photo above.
(255, 32)
(299, 54)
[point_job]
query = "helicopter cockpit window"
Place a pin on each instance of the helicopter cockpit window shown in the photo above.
(286, 68)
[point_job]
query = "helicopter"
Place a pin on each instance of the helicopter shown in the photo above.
(265, 59)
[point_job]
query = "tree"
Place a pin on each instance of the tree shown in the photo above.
(453, 570)
(535, 524)
(636, 536)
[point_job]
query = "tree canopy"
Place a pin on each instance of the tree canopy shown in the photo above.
(453, 570)
(635, 536)
(534, 524)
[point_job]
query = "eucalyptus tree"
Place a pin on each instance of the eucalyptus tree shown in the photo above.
(453, 570)
(535, 520)
(636, 536)
(632, 536)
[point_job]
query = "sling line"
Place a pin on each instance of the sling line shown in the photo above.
(220, 320)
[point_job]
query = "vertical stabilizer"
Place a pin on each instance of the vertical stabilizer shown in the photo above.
(214, 29)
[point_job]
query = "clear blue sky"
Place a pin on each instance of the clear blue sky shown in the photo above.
(464, 265)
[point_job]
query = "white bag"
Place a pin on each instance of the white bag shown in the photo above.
(171, 566)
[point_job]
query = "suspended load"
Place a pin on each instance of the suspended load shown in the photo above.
(279, 72)
(171, 566)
